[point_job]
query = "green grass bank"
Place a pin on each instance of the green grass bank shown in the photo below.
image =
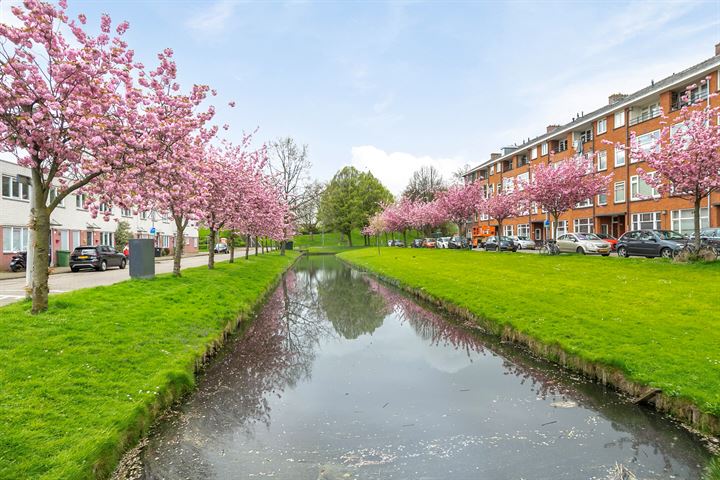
(83, 381)
(634, 323)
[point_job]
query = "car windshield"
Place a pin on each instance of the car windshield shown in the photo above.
(587, 236)
(506, 239)
(522, 237)
(84, 251)
(670, 235)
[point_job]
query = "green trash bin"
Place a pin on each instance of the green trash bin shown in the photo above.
(63, 258)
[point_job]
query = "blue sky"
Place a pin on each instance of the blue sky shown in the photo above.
(390, 86)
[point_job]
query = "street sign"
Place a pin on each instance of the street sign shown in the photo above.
(547, 223)
(152, 230)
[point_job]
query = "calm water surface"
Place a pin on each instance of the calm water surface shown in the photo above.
(342, 377)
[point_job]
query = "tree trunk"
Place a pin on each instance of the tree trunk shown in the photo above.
(231, 239)
(555, 226)
(247, 247)
(211, 249)
(696, 219)
(179, 244)
(257, 239)
(40, 223)
(405, 237)
(283, 242)
(350, 239)
(497, 236)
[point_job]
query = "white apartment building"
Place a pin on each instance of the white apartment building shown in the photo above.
(72, 225)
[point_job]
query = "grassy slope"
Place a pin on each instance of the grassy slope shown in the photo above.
(659, 322)
(83, 377)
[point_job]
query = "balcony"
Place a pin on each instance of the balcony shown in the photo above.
(695, 98)
(645, 116)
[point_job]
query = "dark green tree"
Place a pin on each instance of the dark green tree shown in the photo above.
(122, 234)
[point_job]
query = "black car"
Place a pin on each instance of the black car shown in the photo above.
(650, 243)
(417, 243)
(457, 242)
(99, 258)
(506, 243)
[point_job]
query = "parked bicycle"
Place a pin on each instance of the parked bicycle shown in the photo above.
(707, 252)
(550, 248)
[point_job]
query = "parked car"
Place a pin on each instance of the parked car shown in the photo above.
(429, 243)
(711, 236)
(457, 242)
(650, 243)
(398, 243)
(583, 243)
(523, 242)
(99, 258)
(221, 248)
(417, 243)
(506, 243)
(443, 242)
(610, 239)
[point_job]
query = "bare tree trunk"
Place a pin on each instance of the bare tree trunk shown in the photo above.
(696, 210)
(405, 237)
(497, 236)
(283, 242)
(211, 249)
(231, 238)
(180, 225)
(350, 239)
(40, 223)
(262, 246)
(247, 247)
(257, 239)
(555, 226)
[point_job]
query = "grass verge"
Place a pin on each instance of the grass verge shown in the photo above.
(656, 322)
(83, 381)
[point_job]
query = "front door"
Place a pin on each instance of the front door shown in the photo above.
(89, 238)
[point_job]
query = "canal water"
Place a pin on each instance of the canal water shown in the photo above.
(343, 377)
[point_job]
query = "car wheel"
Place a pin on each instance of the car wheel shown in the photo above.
(622, 252)
(74, 270)
(666, 253)
(123, 263)
(103, 266)
(580, 251)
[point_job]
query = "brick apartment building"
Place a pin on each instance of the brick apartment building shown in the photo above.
(627, 205)
(71, 224)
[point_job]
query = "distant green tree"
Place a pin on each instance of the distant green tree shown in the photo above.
(350, 199)
(122, 234)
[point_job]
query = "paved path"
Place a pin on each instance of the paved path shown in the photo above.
(14, 289)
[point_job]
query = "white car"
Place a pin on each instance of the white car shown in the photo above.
(583, 243)
(442, 242)
(523, 242)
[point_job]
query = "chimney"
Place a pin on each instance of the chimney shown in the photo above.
(717, 49)
(495, 156)
(551, 128)
(615, 98)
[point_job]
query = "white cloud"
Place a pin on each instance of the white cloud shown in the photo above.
(394, 169)
(213, 19)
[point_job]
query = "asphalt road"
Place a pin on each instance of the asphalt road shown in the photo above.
(12, 290)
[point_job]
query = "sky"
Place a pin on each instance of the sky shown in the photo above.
(392, 86)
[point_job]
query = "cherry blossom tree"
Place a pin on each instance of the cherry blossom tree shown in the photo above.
(501, 206)
(426, 215)
(460, 202)
(68, 111)
(558, 187)
(685, 159)
(397, 216)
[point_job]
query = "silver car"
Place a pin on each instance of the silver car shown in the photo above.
(523, 242)
(442, 242)
(583, 243)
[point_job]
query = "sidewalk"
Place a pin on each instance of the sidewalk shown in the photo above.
(7, 275)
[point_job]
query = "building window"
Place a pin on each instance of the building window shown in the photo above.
(602, 199)
(562, 145)
(544, 149)
(619, 119)
(533, 153)
(584, 225)
(126, 212)
(508, 230)
(106, 238)
(80, 201)
(522, 161)
(143, 215)
(17, 187)
(523, 230)
(646, 221)
(584, 203)
(602, 160)
(602, 126)
(104, 208)
(619, 156)
(647, 142)
(683, 220)
(15, 239)
(561, 227)
(639, 190)
(619, 193)
(76, 238)
(586, 136)
(492, 169)
(53, 195)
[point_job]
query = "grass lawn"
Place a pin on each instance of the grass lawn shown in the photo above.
(657, 321)
(81, 381)
(332, 239)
